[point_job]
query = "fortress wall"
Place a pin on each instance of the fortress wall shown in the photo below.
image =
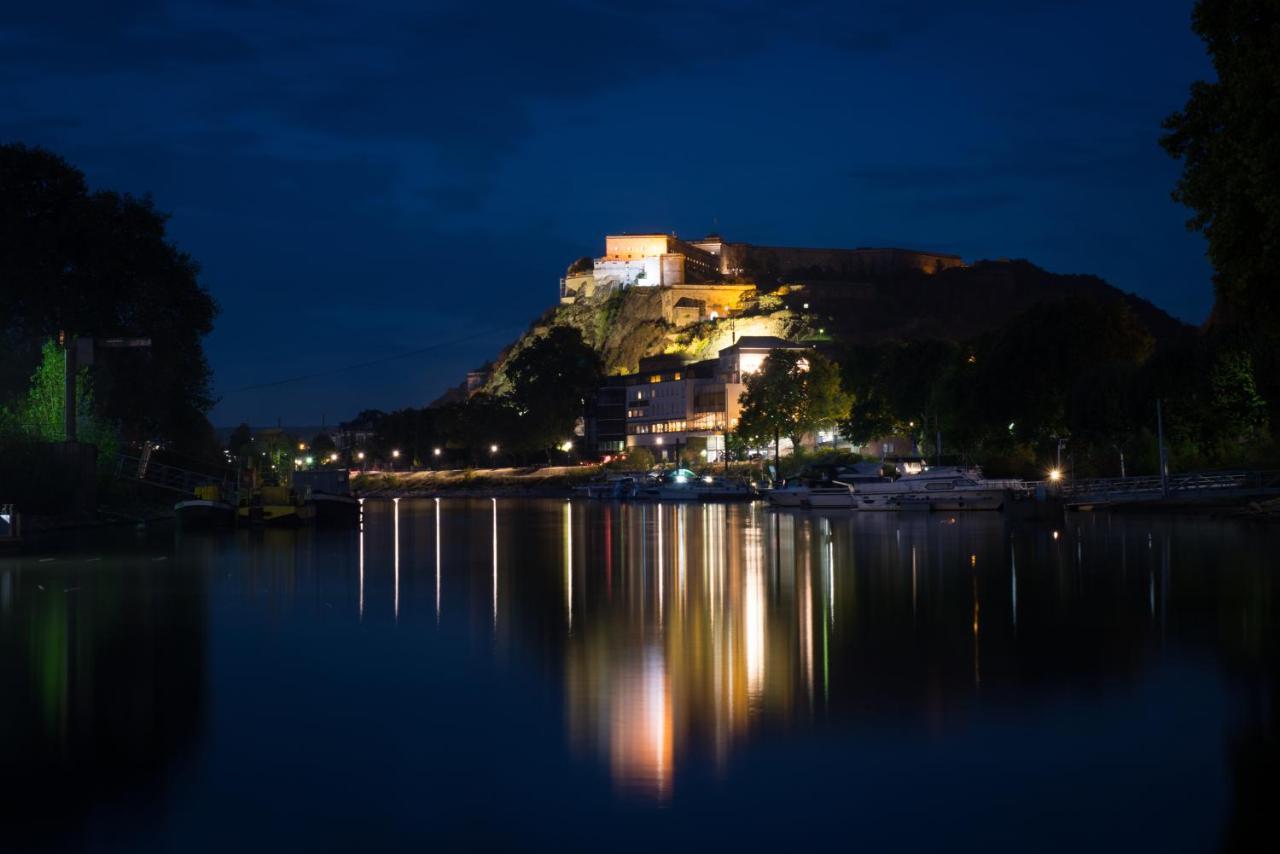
(785, 261)
(719, 298)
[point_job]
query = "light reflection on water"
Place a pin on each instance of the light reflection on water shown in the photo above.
(666, 647)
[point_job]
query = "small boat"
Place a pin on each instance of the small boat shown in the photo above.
(335, 510)
(613, 488)
(275, 505)
(10, 529)
(791, 494)
(677, 485)
(832, 494)
(208, 509)
(327, 492)
(721, 488)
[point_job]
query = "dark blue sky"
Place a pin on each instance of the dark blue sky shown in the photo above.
(361, 180)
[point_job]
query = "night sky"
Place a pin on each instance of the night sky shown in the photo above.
(365, 180)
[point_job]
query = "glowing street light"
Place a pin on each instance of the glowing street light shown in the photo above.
(302, 446)
(658, 441)
(395, 454)
(435, 452)
(567, 446)
(333, 458)
(493, 449)
(359, 455)
(310, 460)
(1055, 475)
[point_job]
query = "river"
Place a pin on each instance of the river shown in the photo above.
(554, 675)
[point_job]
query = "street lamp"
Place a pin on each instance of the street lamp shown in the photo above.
(435, 452)
(360, 455)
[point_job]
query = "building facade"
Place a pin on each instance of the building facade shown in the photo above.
(678, 410)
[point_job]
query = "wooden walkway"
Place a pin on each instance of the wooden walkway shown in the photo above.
(1198, 487)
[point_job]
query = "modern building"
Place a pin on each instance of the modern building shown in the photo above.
(675, 409)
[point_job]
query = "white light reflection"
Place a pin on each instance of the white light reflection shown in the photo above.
(682, 555)
(913, 582)
(437, 561)
(806, 627)
(568, 560)
(660, 570)
(754, 604)
(1013, 583)
(495, 562)
(396, 557)
(828, 554)
(361, 604)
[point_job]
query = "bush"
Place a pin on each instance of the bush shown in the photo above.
(639, 458)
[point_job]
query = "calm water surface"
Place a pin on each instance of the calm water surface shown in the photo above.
(588, 676)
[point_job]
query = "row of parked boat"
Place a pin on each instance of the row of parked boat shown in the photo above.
(859, 487)
(320, 498)
(676, 485)
(864, 487)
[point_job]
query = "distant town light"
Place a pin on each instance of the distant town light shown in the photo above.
(567, 446)
(359, 455)
(806, 305)
(302, 446)
(435, 451)
(310, 460)
(395, 454)
(493, 449)
(658, 440)
(333, 458)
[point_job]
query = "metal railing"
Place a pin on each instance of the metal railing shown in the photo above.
(170, 477)
(1192, 485)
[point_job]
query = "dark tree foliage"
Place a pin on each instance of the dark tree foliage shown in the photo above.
(99, 264)
(413, 432)
(895, 387)
(550, 381)
(471, 428)
(1226, 138)
(1083, 371)
(240, 442)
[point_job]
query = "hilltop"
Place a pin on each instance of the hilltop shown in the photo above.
(625, 324)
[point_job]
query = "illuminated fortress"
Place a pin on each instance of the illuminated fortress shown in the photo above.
(664, 260)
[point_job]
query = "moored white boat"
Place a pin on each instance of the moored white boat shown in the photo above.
(946, 488)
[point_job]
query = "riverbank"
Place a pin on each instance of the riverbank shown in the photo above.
(544, 481)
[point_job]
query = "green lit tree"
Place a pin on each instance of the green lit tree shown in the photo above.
(39, 416)
(792, 394)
